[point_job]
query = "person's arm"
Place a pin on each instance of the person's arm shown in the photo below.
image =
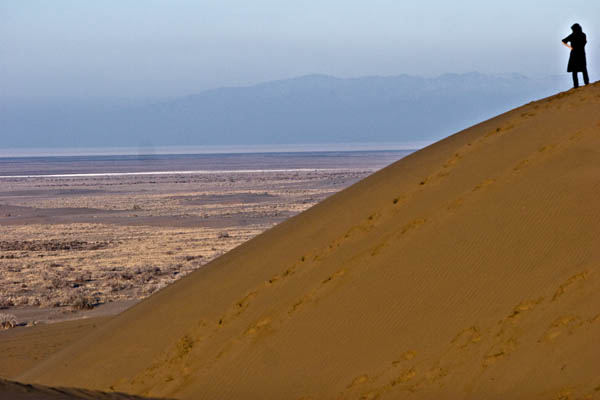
(566, 41)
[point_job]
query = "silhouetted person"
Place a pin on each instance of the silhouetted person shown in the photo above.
(577, 62)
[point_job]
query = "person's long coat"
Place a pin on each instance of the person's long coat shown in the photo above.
(577, 61)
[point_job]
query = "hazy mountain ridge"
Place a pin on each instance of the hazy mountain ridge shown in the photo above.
(307, 109)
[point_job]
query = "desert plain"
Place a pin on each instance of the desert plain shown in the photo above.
(105, 239)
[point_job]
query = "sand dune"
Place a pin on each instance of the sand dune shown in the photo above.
(470, 269)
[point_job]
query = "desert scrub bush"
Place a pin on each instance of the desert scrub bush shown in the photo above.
(6, 302)
(34, 301)
(58, 282)
(22, 301)
(7, 321)
(82, 302)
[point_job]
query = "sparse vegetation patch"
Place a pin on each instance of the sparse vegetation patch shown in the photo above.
(7, 321)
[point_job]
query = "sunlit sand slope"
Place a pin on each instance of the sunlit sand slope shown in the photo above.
(470, 269)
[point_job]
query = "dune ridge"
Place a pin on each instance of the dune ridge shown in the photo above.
(469, 269)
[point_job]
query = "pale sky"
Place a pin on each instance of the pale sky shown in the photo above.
(168, 48)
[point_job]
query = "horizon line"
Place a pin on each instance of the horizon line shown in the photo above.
(28, 152)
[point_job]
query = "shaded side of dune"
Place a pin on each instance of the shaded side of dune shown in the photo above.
(10, 390)
(469, 269)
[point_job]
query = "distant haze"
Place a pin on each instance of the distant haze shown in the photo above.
(149, 73)
(73, 50)
(305, 110)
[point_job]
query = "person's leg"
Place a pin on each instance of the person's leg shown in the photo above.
(586, 78)
(575, 80)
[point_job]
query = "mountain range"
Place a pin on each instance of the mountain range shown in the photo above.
(308, 109)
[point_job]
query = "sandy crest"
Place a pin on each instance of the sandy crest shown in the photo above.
(469, 270)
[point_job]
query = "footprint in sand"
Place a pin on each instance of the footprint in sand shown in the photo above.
(466, 337)
(455, 204)
(258, 326)
(404, 377)
(399, 200)
(333, 276)
(298, 304)
(499, 350)
(576, 136)
(522, 164)
(184, 346)
(492, 358)
(547, 148)
(412, 225)
(374, 217)
(558, 327)
(451, 162)
(436, 373)
(358, 381)
(237, 309)
(243, 303)
(498, 130)
(570, 283)
(493, 132)
(285, 274)
(528, 114)
(426, 181)
(567, 324)
(409, 355)
(484, 184)
(313, 296)
(523, 307)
